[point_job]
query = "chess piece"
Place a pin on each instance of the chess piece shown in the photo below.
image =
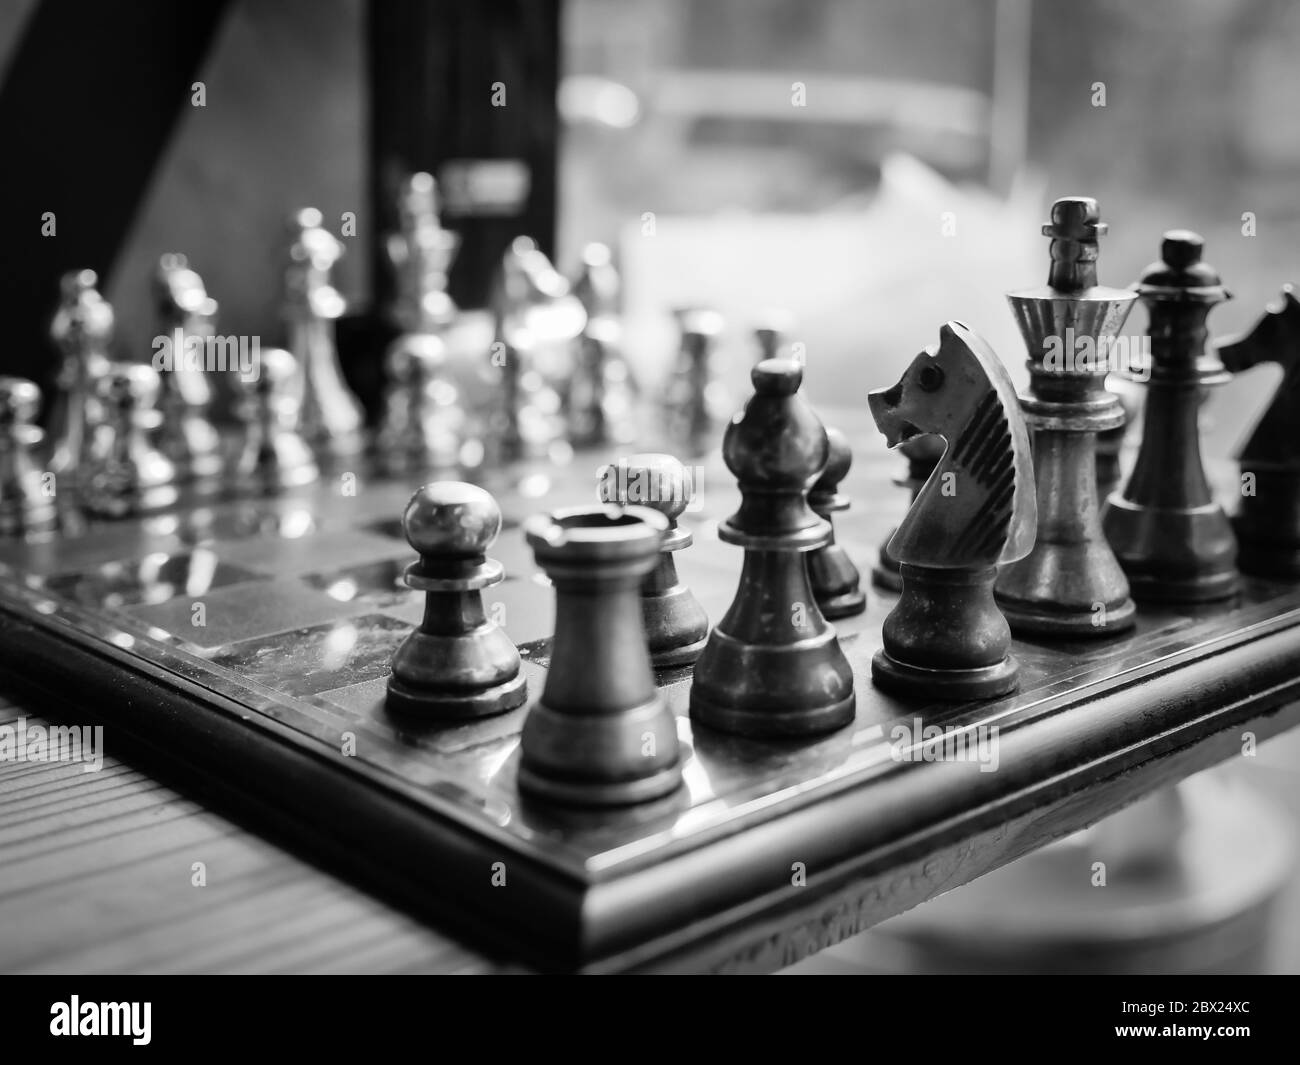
(423, 420)
(124, 473)
(770, 334)
(694, 401)
(1267, 522)
(421, 252)
(185, 314)
(26, 499)
(835, 579)
(1170, 536)
(536, 321)
(773, 666)
(601, 397)
(1110, 445)
(458, 664)
(82, 328)
(675, 623)
(274, 454)
(946, 638)
(601, 733)
(1070, 585)
(331, 417)
(923, 454)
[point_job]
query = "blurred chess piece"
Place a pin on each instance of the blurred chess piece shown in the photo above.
(536, 320)
(772, 334)
(81, 329)
(124, 473)
(1184, 881)
(695, 403)
(275, 455)
(185, 314)
(26, 498)
(422, 423)
(421, 253)
(331, 416)
(601, 399)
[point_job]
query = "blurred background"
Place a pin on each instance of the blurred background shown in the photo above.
(873, 167)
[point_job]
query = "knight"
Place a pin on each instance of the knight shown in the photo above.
(1267, 522)
(946, 638)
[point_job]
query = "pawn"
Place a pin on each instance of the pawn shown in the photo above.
(125, 474)
(835, 579)
(422, 423)
(274, 454)
(773, 666)
(694, 402)
(602, 733)
(946, 638)
(923, 454)
(25, 505)
(675, 623)
(458, 664)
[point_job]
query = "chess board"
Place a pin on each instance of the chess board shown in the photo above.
(247, 641)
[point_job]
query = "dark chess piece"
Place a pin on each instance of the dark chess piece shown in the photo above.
(458, 664)
(946, 638)
(185, 314)
(675, 623)
(602, 733)
(773, 666)
(124, 473)
(1267, 521)
(274, 454)
(331, 415)
(835, 579)
(26, 500)
(82, 329)
(1070, 585)
(600, 402)
(923, 454)
(1110, 446)
(1173, 540)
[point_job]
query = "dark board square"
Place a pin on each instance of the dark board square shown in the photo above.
(318, 658)
(377, 584)
(61, 553)
(287, 519)
(312, 554)
(152, 578)
(244, 611)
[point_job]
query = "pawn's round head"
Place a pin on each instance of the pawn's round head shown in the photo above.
(451, 519)
(659, 482)
(20, 401)
(837, 464)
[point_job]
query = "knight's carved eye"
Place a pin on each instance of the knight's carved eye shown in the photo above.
(931, 378)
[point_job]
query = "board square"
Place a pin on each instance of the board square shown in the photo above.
(310, 554)
(154, 578)
(248, 610)
(318, 658)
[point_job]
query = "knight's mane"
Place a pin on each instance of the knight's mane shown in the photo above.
(984, 452)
